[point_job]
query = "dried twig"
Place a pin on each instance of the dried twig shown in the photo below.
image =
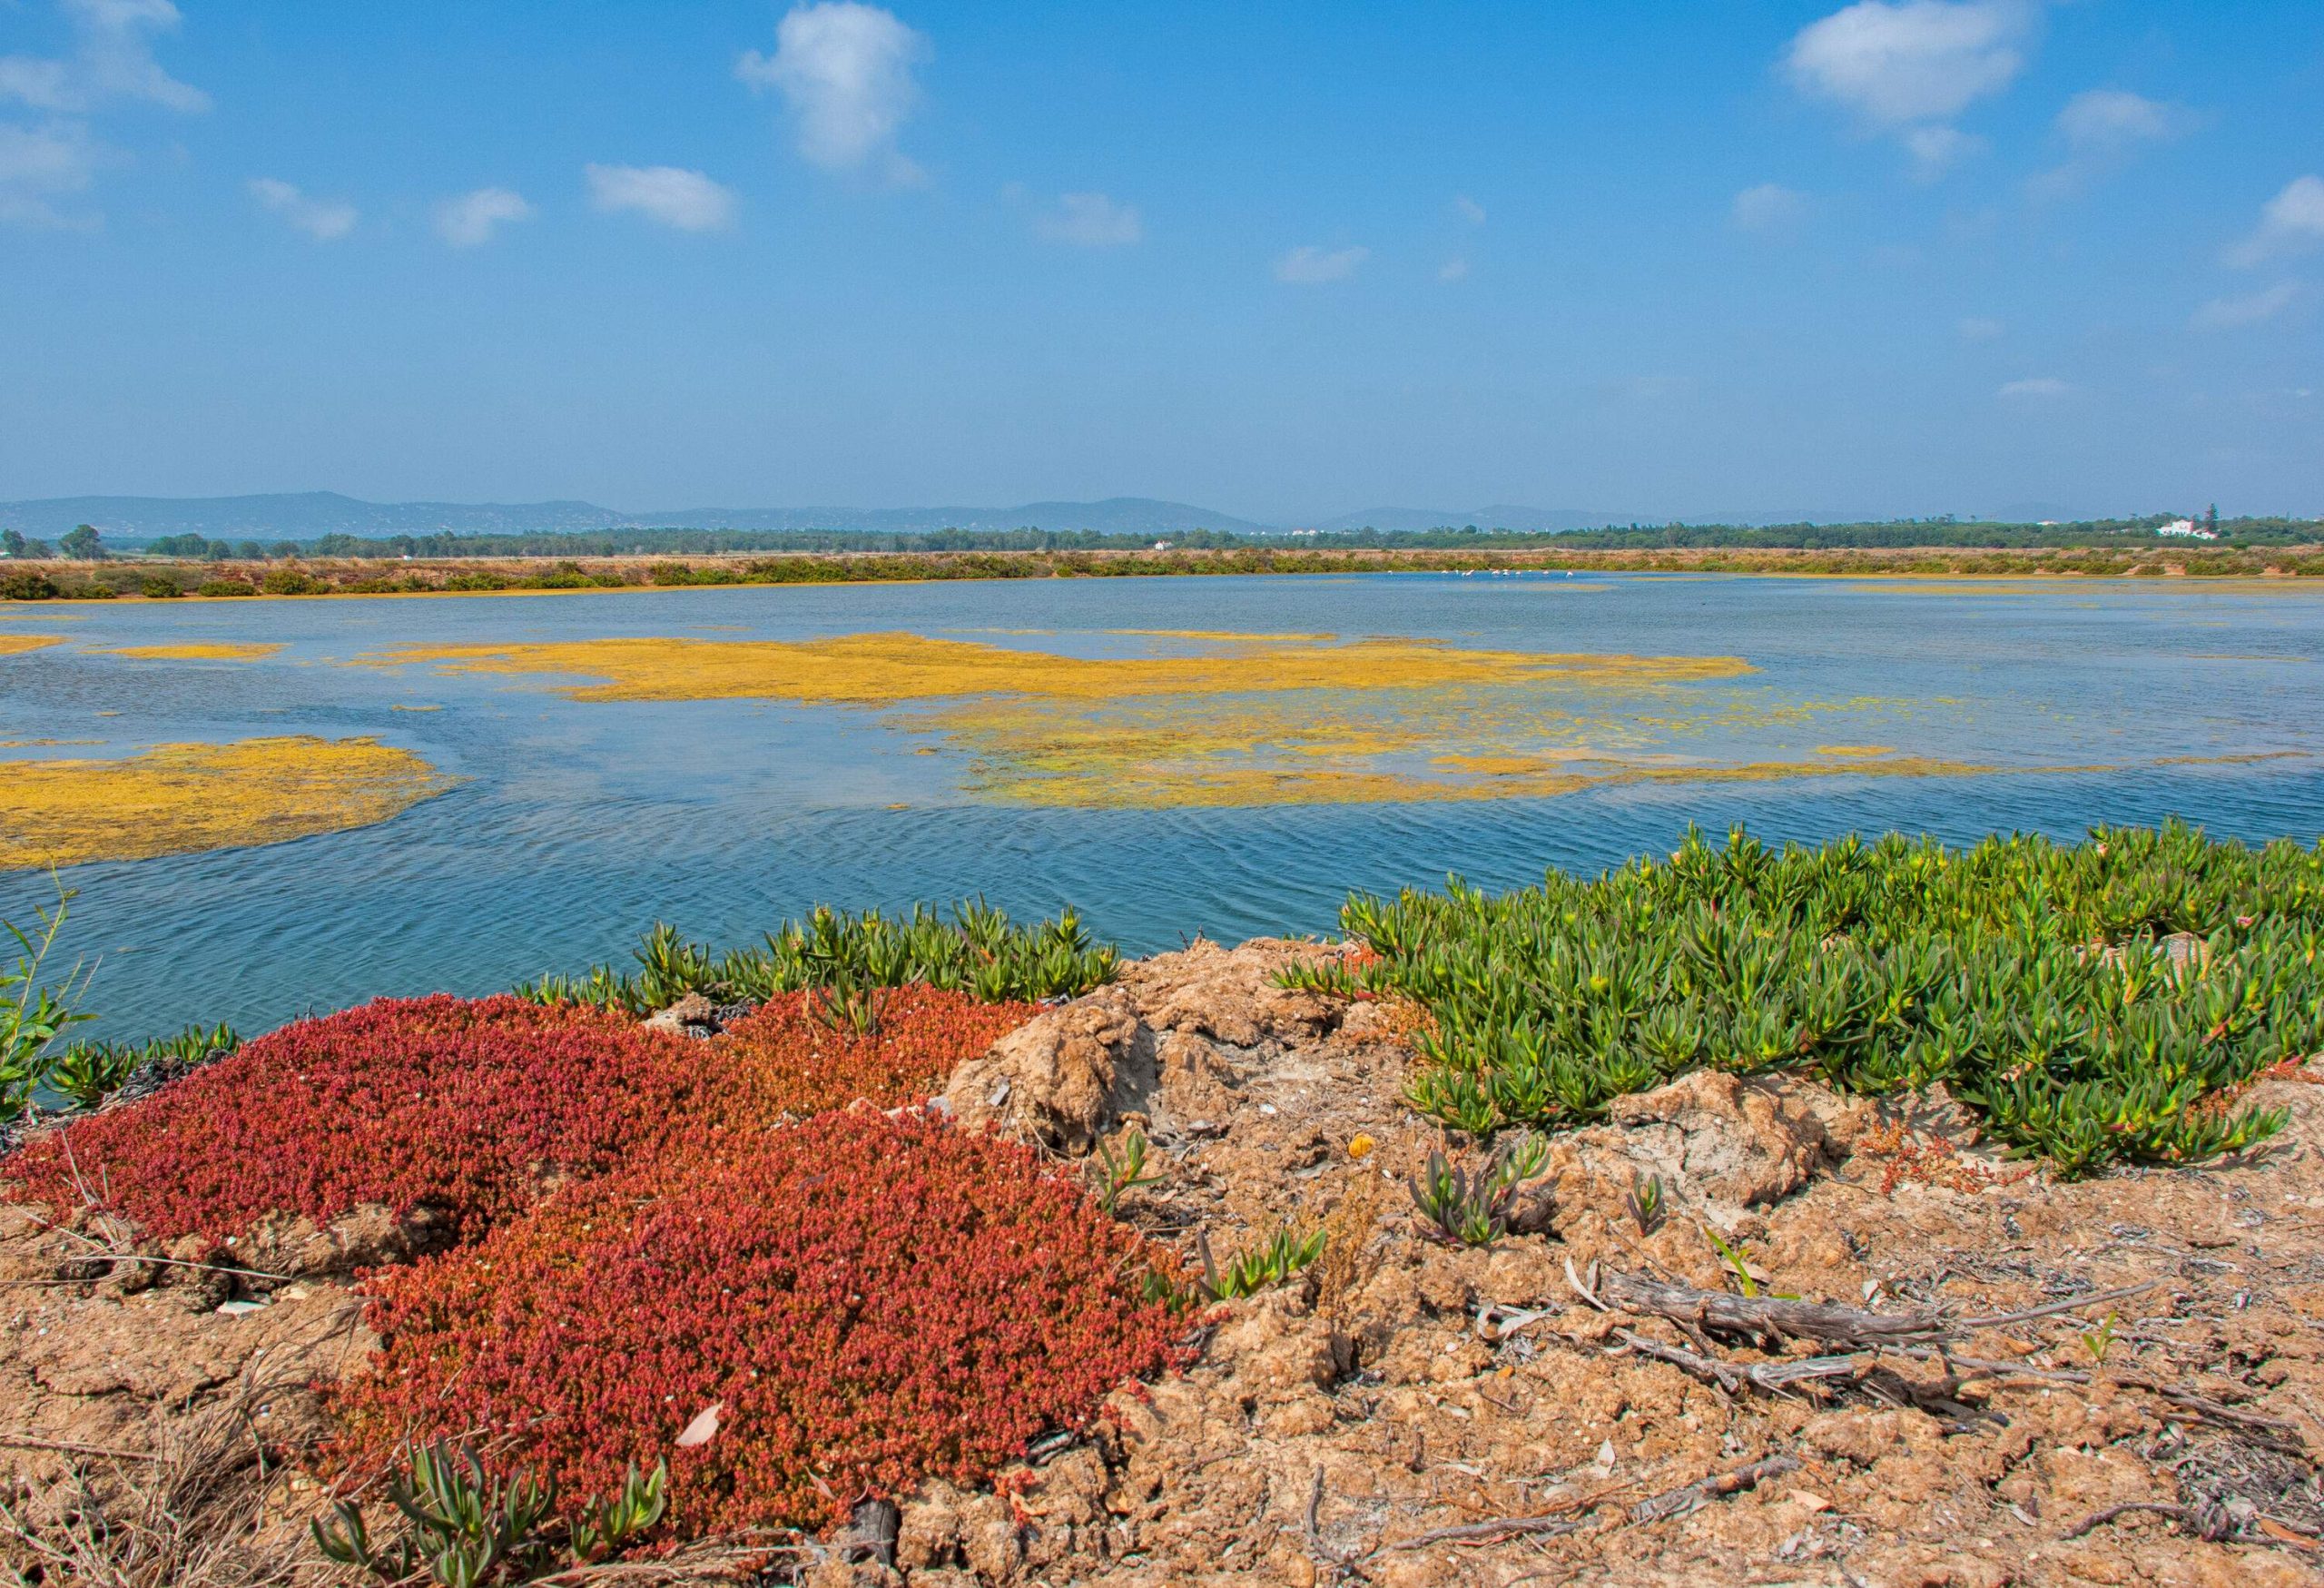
(2069, 1304)
(66, 1447)
(1693, 1496)
(1733, 1376)
(2209, 1522)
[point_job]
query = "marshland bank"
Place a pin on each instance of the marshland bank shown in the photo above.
(319, 576)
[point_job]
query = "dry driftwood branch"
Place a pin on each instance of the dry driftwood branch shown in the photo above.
(1693, 1496)
(1766, 1315)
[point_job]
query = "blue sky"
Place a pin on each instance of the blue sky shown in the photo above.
(1282, 260)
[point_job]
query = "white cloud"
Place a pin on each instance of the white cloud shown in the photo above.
(2102, 128)
(846, 71)
(113, 59)
(2292, 222)
(1937, 150)
(2107, 120)
(1309, 266)
(324, 219)
(1091, 221)
(1452, 269)
(687, 200)
(1769, 207)
(2258, 308)
(1977, 328)
(471, 219)
(1915, 61)
(39, 165)
(1469, 210)
(2039, 386)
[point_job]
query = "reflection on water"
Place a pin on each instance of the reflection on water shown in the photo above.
(578, 823)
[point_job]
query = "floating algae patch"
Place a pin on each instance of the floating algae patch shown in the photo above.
(881, 669)
(1855, 752)
(252, 652)
(1246, 719)
(175, 799)
(13, 645)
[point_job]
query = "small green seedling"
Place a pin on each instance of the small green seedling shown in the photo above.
(1280, 1256)
(1122, 1172)
(1649, 1204)
(2100, 1340)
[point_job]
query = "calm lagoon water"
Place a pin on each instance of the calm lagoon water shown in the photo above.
(580, 823)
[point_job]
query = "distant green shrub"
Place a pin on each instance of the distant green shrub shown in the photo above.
(155, 588)
(972, 949)
(290, 582)
(224, 587)
(478, 581)
(21, 585)
(2029, 976)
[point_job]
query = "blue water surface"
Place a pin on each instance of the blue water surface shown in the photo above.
(578, 825)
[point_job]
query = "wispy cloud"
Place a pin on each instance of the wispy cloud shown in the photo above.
(1937, 150)
(470, 219)
(1089, 221)
(1311, 266)
(324, 219)
(40, 165)
(1452, 269)
(2103, 128)
(687, 201)
(1977, 329)
(2291, 223)
(1910, 66)
(2254, 309)
(845, 70)
(1769, 207)
(112, 60)
(48, 161)
(1469, 210)
(2038, 387)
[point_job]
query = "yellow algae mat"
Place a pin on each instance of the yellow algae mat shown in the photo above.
(174, 799)
(1227, 719)
(17, 643)
(251, 652)
(881, 669)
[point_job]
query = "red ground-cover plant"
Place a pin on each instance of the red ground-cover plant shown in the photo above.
(470, 1107)
(869, 1301)
(796, 1055)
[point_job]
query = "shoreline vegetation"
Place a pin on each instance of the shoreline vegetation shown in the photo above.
(639, 1254)
(150, 578)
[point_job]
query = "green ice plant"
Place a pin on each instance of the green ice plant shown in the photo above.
(463, 1528)
(34, 1009)
(972, 948)
(2033, 978)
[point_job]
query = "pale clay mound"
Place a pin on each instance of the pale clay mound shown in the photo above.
(1407, 1388)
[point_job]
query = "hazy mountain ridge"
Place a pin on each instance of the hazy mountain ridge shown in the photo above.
(304, 515)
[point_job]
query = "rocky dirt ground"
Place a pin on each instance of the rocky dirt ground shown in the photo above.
(2110, 1382)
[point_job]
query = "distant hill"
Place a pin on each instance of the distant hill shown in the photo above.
(1528, 520)
(302, 516)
